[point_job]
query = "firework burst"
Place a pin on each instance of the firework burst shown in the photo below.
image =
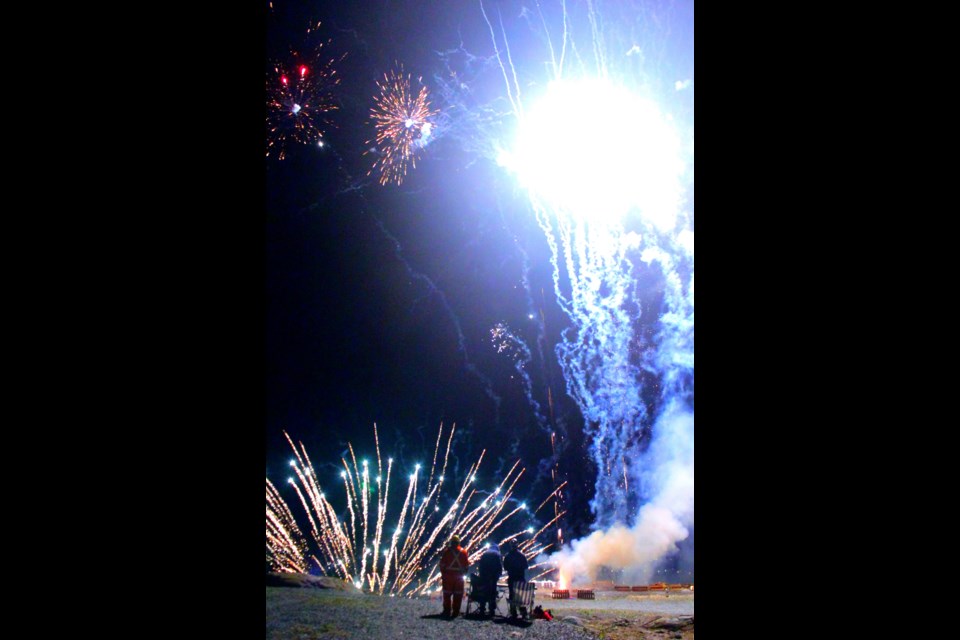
(621, 242)
(401, 559)
(300, 94)
(402, 123)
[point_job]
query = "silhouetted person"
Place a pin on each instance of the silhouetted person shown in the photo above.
(516, 565)
(491, 566)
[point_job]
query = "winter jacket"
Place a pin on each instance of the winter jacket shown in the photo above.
(490, 564)
(516, 565)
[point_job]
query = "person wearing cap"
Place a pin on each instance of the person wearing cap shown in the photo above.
(453, 566)
(516, 565)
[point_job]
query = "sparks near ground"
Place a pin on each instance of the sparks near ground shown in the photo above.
(400, 559)
(591, 125)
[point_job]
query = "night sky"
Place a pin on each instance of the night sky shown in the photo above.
(245, 296)
(380, 300)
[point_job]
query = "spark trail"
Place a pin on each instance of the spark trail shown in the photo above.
(286, 549)
(401, 560)
(608, 174)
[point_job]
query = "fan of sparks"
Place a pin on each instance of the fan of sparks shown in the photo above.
(300, 92)
(402, 559)
(402, 123)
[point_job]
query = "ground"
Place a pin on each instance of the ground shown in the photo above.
(630, 616)
(338, 610)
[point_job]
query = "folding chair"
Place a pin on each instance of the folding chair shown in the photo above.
(521, 596)
(479, 593)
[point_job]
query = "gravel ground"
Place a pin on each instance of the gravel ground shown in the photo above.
(313, 614)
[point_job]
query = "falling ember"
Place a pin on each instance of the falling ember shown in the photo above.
(609, 228)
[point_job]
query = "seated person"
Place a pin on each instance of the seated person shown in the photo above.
(491, 566)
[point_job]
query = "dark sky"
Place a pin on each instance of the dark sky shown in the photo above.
(381, 299)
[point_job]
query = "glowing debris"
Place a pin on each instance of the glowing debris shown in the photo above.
(400, 118)
(351, 547)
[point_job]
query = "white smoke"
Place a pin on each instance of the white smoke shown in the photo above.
(661, 523)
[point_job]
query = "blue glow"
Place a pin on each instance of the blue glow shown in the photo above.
(607, 179)
(599, 151)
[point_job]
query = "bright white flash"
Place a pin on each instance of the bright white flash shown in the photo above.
(295, 109)
(599, 151)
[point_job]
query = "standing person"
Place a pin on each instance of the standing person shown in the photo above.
(516, 565)
(453, 566)
(491, 566)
